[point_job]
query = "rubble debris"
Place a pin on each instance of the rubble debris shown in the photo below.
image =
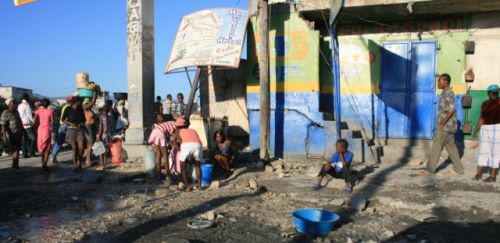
(210, 215)
(130, 221)
(254, 185)
(337, 202)
(214, 185)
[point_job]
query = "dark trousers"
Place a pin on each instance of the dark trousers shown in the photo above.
(344, 174)
(29, 141)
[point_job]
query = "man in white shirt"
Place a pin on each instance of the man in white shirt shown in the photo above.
(26, 115)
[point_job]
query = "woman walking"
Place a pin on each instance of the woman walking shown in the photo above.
(44, 117)
(75, 119)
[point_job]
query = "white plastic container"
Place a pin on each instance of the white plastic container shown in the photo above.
(149, 161)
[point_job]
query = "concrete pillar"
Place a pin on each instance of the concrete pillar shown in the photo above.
(140, 68)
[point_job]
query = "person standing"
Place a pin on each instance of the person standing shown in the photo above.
(12, 131)
(75, 119)
(89, 129)
(489, 143)
(44, 117)
(26, 114)
(61, 131)
(180, 107)
(447, 122)
(158, 106)
(168, 107)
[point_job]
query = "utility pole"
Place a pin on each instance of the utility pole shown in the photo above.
(263, 56)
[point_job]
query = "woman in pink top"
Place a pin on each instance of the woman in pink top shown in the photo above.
(191, 150)
(44, 118)
(159, 138)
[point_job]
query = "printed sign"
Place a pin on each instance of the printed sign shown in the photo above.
(212, 37)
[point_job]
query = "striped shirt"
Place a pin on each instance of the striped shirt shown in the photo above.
(167, 128)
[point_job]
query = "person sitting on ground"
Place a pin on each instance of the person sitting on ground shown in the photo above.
(339, 165)
(12, 131)
(44, 117)
(190, 150)
(224, 153)
(160, 138)
(489, 143)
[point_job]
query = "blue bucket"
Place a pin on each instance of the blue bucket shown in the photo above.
(314, 221)
(206, 174)
(86, 93)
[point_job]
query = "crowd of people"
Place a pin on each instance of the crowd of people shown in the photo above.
(41, 128)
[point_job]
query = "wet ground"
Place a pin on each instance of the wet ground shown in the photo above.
(124, 205)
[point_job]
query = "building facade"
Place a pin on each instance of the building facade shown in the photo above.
(390, 55)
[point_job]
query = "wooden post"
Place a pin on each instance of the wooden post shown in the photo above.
(194, 87)
(263, 55)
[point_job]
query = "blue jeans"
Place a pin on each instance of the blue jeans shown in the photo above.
(60, 138)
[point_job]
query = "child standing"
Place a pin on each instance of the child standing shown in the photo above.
(339, 165)
(105, 133)
(191, 150)
(159, 138)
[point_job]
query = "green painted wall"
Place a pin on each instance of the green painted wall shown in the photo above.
(294, 55)
(478, 96)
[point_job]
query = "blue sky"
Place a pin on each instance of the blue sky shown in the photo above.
(43, 45)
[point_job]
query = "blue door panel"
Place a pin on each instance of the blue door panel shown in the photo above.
(421, 117)
(423, 68)
(407, 107)
(394, 75)
(394, 117)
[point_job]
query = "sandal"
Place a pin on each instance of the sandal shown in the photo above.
(316, 187)
(490, 179)
(477, 177)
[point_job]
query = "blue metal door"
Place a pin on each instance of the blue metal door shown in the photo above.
(408, 90)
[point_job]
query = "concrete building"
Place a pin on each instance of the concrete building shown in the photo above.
(390, 54)
(14, 92)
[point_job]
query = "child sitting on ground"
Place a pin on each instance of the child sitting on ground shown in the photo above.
(160, 138)
(339, 166)
(190, 150)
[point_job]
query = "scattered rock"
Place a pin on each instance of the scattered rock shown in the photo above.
(214, 185)
(161, 192)
(411, 236)
(425, 217)
(358, 203)
(130, 221)
(349, 240)
(181, 186)
(210, 215)
(252, 215)
(371, 210)
(269, 169)
(281, 175)
(337, 202)
(259, 165)
(74, 198)
(233, 220)
(388, 234)
(416, 162)
(253, 184)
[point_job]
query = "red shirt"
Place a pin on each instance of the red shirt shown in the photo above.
(189, 135)
(490, 112)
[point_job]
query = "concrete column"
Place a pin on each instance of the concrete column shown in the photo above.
(140, 68)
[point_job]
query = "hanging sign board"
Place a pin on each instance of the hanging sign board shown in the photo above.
(18, 3)
(212, 37)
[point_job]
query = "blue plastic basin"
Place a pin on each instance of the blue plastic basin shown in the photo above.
(206, 174)
(314, 221)
(87, 93)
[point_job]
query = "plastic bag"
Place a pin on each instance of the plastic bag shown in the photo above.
(98, 148)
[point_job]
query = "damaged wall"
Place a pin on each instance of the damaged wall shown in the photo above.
(223, 96)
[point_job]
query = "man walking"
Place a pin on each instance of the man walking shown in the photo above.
(26, 114)
(61, 132)
(12, 130)
(447, 122)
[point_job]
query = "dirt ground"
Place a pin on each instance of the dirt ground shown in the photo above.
(124, 205)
